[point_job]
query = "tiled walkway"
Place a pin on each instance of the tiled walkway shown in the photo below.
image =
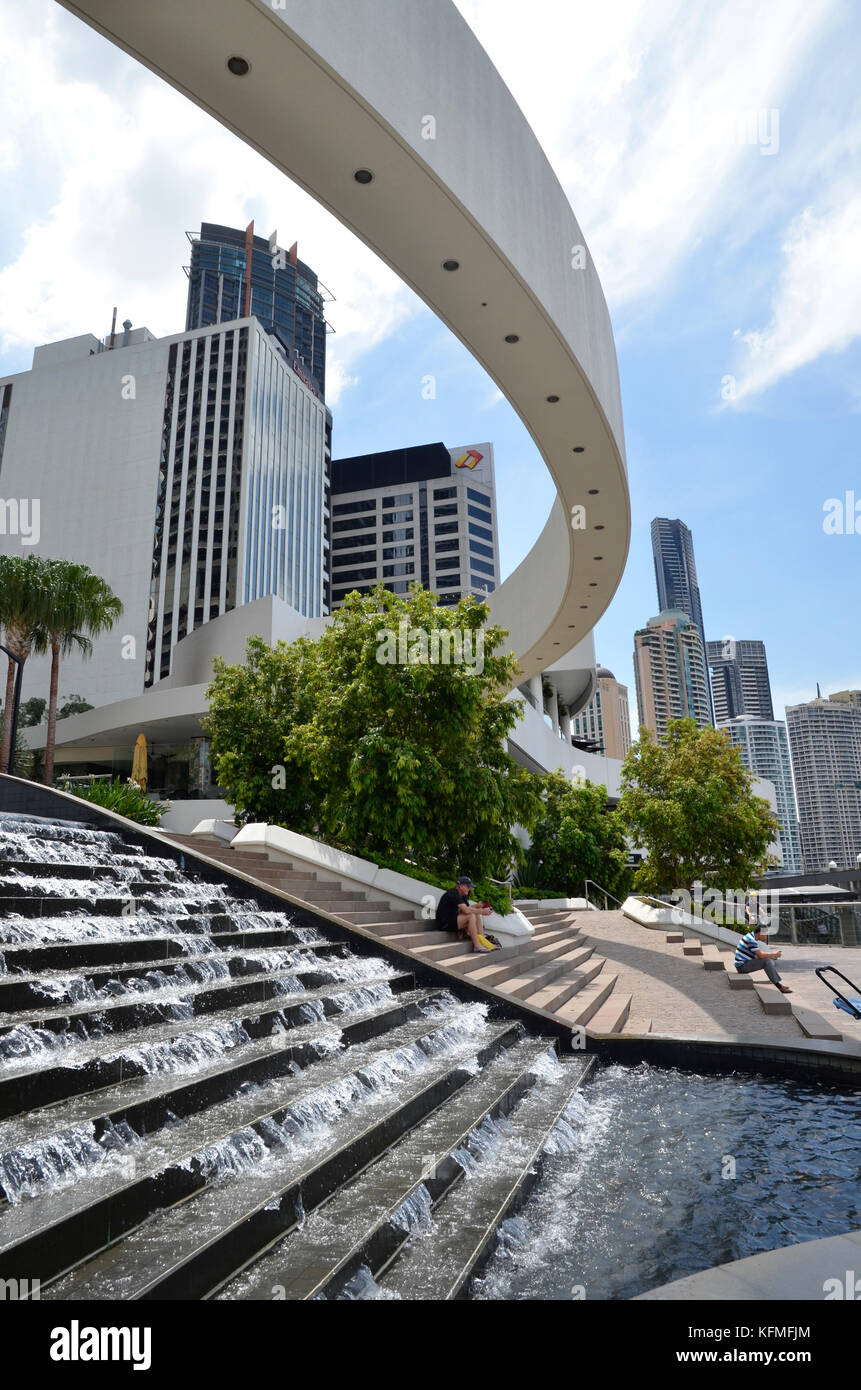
(679, 995)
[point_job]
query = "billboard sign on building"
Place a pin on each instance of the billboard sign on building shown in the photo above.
(475, 461)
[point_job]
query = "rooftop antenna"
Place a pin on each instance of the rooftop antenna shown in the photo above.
(249, 250)
(113, 328)
(818, 691)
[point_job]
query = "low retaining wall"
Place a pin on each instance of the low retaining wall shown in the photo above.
(667, 918)
(398, 889)
(570, 904)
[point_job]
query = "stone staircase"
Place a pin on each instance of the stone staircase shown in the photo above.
(555, 971)
(204, 1097)
(773, 1003)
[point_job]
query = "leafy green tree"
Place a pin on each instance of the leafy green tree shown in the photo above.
(82, 606)
(24, 610)
(31, 713)
(381, 747)
(73, 704)
(252, 709)
(575, 838)
(689, 804)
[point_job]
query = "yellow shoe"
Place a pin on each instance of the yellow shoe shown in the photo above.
(488, 945)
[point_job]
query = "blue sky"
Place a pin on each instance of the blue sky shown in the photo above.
(711, 153)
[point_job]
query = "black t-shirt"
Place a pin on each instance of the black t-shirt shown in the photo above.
(447, 909)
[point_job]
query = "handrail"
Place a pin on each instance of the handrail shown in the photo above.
(604, 891)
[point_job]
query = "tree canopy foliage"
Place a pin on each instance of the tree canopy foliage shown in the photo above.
(689, 804)
(577, 837)
(363, 738)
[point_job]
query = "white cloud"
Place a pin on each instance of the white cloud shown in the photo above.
(816, 307)
(122, 190)
(638, 105)
(625, 97)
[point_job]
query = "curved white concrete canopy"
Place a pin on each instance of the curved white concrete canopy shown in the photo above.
(336, 86)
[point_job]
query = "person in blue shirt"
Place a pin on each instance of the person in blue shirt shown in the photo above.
(750, 956)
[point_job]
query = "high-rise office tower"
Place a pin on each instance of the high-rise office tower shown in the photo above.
(425, 514)
(676, 574)
(740, 684)
(765, 751)
(234, 274)
(825, 741)
(670, 672)
(241, 503)
(605, 722)
(188, 471)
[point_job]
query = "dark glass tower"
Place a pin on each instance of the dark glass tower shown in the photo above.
(676, 571)
(284, 292)
(740, 684)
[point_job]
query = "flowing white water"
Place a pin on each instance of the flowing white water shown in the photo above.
(48, 1165)
(188, 1052)
(415, 1214)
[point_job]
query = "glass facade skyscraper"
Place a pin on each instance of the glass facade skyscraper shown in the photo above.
(241, 501)
(676, 575)
(765, 751)
(825, 741)
(425, 514)
(740, 684)
(284, 293)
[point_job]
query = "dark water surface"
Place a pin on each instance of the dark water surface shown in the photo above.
(636, 1196)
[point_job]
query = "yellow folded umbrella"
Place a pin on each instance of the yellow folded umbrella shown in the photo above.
(139, 762)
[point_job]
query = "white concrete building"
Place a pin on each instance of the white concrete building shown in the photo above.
(825, 740)
(189, 472)
(456, 219)
(765, 751)
(425, 514)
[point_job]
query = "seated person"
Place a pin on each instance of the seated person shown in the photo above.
(454, 912)
(750, 956)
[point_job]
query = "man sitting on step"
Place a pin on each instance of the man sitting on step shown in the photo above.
(454, 912)
(749, 956)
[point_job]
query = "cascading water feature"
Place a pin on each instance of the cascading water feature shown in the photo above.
(205, 1097)
(189, 1079)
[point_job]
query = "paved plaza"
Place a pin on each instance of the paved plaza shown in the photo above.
(680, 997)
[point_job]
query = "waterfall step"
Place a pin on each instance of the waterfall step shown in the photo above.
(212, 996)
(365, 1222)
(51, 1077)
(187, 1250)
(28, 991)
(61, 1228)
(439, 1265)
(83, 873)
(180, 945)
(190, 1065)
(148, 1100)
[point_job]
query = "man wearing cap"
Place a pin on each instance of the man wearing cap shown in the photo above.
(454, 912)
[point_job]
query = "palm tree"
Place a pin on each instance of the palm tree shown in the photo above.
(82, 606)
(24, 608)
